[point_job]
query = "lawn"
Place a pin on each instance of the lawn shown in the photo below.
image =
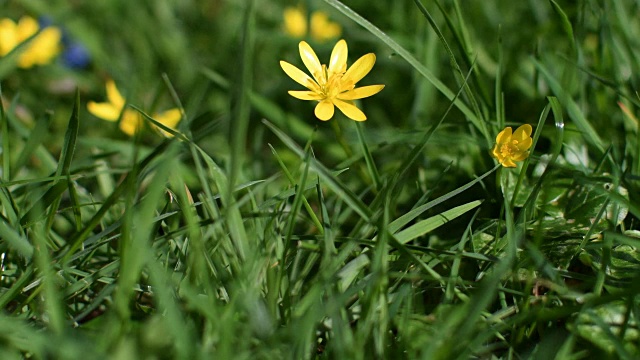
(355, 179)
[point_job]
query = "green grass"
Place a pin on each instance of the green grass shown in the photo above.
(258, 231)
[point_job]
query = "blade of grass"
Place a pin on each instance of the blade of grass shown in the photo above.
(589, 133)
(432, 223)
(371, 166)
(566, 23)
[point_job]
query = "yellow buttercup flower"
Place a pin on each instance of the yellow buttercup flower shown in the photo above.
(332, 85)
(41, 49)
(321, 29)
(131, 121)
(511, 147)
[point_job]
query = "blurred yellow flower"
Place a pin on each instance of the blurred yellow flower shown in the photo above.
(40, 50)
(321, 29)
(332, 85)
(514, 146)
(131, 121)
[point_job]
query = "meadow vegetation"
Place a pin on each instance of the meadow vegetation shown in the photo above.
(461, 181)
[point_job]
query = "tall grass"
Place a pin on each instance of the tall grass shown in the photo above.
(257, 231)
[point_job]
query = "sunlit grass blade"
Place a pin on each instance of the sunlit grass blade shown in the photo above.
(427, 225)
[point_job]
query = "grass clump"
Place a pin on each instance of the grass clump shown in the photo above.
(249, 229)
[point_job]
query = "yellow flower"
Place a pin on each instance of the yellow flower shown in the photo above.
(295, 24)
(41, 49)
(131, 121)
(514, 146)
(332, 85)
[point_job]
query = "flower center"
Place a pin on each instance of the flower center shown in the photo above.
(330, 83)
(507, 149)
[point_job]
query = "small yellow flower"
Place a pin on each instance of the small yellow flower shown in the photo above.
(332, 85)
(321, 29)
(41, 49)
(514, 146)
(131, 121)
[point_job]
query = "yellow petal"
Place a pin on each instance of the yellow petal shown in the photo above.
(495, 153)
(8, 36)
(361, 92)
(359, 69)
(42, 48)
(507, 162)
(350, 110)
(310, 60)
(305, 95)
(299, 76)
(27, 26)
(321, 28)
(520, 156)
(523, 132)
(295, 22)
(504, 135)
(169, 118)
(338, 62)
(131, 122)
(113, 95)
(324, 110)
(525, 144)
(105, 111)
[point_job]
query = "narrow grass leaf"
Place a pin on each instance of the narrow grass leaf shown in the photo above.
(368, 158)
(589, 133)
(564, 20)
(432, 223)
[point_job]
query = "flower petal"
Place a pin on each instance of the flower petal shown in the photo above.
(507, 162)
(359, 69)
(27, 26)
(361, 92)
(295, 22)
(338, 62)
(350, 110)
(113, 95)
(169, 118)
(131, 122)
(525, 144)
(105, 111)
(310, 60)
(495, 152)
(41, 49)
(305, 95)
(520, 156)
(523, 132)
(504, 136)
(324, 110)
(321, 28)
(299, 76)
(8, 36)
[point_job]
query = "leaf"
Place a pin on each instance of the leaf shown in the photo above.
(432, 223)
(566, 24)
